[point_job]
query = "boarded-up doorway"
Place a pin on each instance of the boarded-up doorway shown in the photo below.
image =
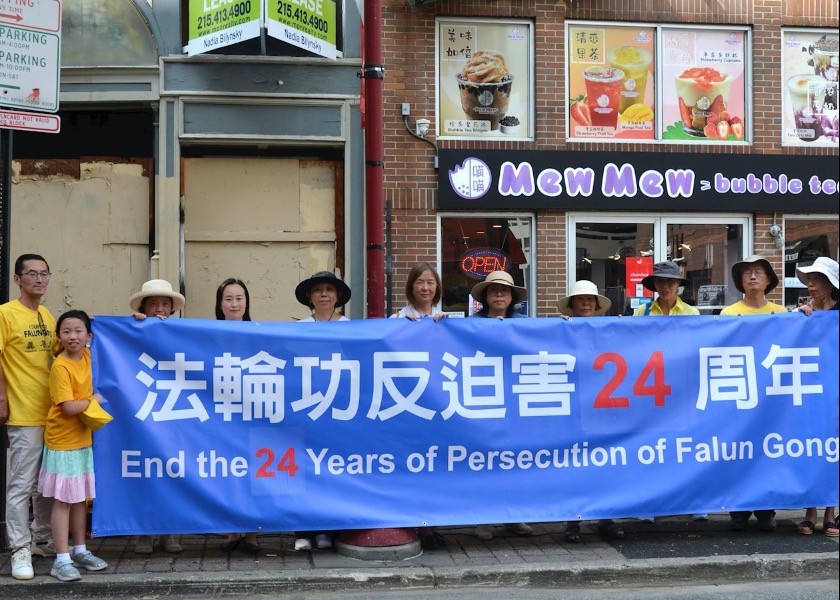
(270, 222)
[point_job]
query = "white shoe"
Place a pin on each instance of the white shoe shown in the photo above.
(303, 544)
(22, 564)
(484, 532)
(45, 549)
(322, 541)
(519, 528)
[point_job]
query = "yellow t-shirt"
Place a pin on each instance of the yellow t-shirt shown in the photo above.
(680, 309)
(69, 380)
(27, 344)
(740, 309)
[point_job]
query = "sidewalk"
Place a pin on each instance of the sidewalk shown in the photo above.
(671, 550)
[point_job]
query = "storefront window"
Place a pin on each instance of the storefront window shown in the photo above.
(807, 238)
(474, 246)
(617, 252)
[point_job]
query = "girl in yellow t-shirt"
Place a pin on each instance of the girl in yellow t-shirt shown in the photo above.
(67, 467)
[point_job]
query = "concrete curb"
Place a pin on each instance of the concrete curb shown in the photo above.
(734, 569)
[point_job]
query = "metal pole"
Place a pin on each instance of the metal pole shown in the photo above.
(373, 72)
(5, 248)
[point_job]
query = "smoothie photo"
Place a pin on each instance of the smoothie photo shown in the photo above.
(484, 86)
(603, 92)
(807, 99)
(825, 58)
(702, 92)
(635, 63)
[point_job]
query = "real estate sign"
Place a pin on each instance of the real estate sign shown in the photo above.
(307, 24)
(219, 23)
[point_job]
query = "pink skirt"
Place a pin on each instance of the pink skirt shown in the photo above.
(67, 475)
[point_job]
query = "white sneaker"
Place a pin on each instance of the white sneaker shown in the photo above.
(22, 564)
(519, 528)
(322, 540)
(484, 532)
(303, 544)
(45, 549)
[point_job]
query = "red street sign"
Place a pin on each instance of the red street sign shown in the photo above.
(44, 15)
(40, 122)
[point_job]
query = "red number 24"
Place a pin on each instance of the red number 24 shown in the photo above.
(655, 366)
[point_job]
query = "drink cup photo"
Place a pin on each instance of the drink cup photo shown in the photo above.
(826, 58)
(603, 93)
(807, 96)
(485, 101)
(634, 62)
(702, 92)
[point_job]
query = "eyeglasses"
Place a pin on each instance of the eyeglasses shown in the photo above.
(36, 274)
(758, 272)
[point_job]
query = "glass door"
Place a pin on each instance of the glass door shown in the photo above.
(617, 251)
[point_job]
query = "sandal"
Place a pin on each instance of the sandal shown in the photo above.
(831, 529)
(611, 530)
(573, 533)
(805, 528)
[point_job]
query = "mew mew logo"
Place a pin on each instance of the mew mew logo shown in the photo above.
(471, 179)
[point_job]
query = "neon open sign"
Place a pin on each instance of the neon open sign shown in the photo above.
(483, 261)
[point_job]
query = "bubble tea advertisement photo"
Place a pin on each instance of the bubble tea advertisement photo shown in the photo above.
(809, 82)
(611, 82)
(485, 79)
(703, 85)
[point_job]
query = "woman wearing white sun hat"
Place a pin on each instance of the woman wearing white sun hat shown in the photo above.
(822, 280)
(585, 301)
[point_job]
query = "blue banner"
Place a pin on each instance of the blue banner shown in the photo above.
(253, 426)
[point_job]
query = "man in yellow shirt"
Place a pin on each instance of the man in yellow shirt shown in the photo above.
(755, 278)
(27, 346)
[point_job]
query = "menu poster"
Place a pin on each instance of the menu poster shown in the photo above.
(809, 88)
(636, 269)
(703, 85)
(485, 86)
(610, 82)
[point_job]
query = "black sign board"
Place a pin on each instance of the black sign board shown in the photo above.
(584, 180)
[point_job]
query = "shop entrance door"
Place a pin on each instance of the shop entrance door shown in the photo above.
(614, 251)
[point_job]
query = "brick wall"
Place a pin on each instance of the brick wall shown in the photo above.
(409, 58)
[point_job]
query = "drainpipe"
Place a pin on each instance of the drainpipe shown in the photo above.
(372, 73)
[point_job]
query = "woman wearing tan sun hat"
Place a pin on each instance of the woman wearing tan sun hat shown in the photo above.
(499, 296)
(156, 299)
